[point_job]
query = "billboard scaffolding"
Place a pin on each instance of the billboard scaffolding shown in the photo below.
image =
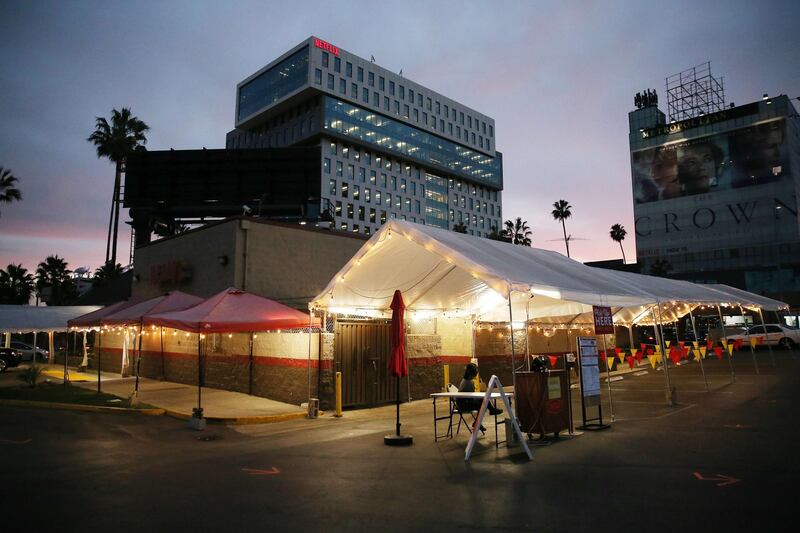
(694, 92)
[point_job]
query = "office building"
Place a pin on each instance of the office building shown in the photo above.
(388, 147)
(715, 187)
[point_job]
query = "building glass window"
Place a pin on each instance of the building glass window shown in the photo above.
(436, 201)
(378, 197)
(332, 187)
(355, 228)
(274, 84)
(393, 181)
(317, 76)
(391, 88)
(362, 174)
(372, 215)
(383, 217)
(349, 210)
(402, 92)
(339, 169)
(391, 135)
(386, 103)
(356, 192)
(383, 180)
(325, 58)
(361, 213)
(333, 148)
(381, 83)
(326, 165)
(345, 189)
(405, 110)
(353, 90)
(371, 79)
(360, 74)
(372, 179)
(330, 81)
(376, 99)
(343, 226)
(408, 204)
(342, 86)
(403, 185)
(348, 69)
(338, 207)
(413, 189)
(416, 114)
(337, 65)
(396, 107)
(365, 95)
(351, 172)
(367, 194)
(438, 108)
(411, 95)
(388, 200)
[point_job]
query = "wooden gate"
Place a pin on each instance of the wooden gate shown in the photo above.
(361, 354)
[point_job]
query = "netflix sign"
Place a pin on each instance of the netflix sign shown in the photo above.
(328, 47)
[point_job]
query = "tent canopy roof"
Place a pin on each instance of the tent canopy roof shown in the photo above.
(444, 272)
(133, 314)
(232, 311)
(28, 318)
(93, 319)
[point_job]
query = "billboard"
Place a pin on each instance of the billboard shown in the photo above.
(745, 157)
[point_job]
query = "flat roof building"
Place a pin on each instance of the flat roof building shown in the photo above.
(389, 147)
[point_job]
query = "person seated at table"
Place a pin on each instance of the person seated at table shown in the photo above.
(467, 384)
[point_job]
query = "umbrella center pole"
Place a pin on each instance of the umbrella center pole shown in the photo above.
(397, 430)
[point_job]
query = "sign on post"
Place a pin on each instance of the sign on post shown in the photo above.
(590, 382)
(603, 320)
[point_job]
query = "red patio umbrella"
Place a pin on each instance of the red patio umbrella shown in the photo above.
(398, 366)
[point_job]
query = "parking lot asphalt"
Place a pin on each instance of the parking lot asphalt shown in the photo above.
(724, 460)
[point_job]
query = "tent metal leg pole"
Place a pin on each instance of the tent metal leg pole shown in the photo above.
(99, 353)
(163, 359)
(747, 332)
(769, 346)
(725, 343)
(527, 342)
(138, 364)
(250, 366)
(608, 379)
(696, 345)
(513, 358)
(664, 359)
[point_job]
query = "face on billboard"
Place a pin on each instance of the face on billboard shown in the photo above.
(741, 158)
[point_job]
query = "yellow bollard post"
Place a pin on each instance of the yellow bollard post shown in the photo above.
(338, 394)
(446, 377)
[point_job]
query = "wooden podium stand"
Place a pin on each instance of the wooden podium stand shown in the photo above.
(542, 402)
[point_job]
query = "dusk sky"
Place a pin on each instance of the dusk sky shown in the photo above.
(558, 78)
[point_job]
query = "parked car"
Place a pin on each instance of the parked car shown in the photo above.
(9, 358)
(776, 335)
(42, 355)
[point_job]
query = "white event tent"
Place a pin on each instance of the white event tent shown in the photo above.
(444, 273)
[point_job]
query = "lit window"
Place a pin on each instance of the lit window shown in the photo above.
(345, 189)
(339, 169)
(326, 165)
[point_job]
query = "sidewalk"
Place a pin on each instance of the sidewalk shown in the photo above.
(179, 399)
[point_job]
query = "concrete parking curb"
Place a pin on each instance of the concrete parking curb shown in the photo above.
(80, 407)
(241, 420)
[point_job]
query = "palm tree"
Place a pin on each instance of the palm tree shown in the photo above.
(8, 192)
(116, 141)
(53, 282)
(460, 228)
(498, 235)
(16, 285)
(518, 232)
(618, 233)
(106, 273)
(562, 212)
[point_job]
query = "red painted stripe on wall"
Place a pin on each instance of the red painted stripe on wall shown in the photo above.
(233, 358)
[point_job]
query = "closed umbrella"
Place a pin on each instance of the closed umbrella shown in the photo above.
(398, 366)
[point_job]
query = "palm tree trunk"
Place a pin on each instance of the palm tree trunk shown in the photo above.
(623, 252)
(566, 242)
(110, 227)
(117, 179)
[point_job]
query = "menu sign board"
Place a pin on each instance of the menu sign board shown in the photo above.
(590, 369)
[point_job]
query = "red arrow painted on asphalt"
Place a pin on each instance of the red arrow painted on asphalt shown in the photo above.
(726, 480)
(256, 472)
